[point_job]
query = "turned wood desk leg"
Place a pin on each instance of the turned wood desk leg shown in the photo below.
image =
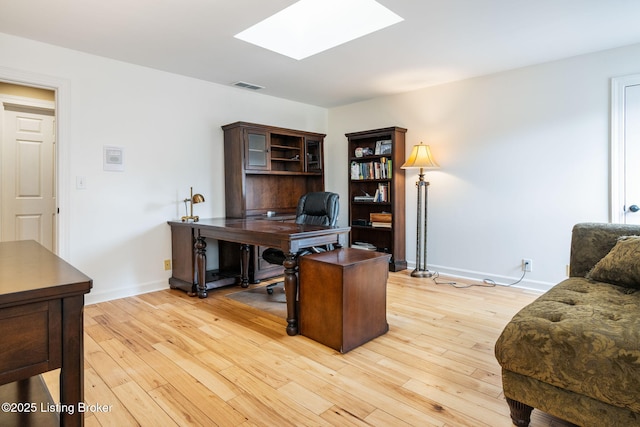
(72, 372)
(291, 290)
(244, 258)
(201, 266)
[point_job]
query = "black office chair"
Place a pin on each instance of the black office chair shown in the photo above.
(319, 208)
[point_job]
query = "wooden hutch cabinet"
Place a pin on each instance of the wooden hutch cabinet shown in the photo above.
(377, 192)
(267, 169)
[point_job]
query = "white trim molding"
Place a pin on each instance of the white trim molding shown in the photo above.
(617, 150)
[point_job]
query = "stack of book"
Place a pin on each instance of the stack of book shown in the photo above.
(382, 219)
(363, 245)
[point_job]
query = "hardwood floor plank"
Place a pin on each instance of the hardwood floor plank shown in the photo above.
(337, 416)
(212, 380)
(141, 406)
(133, 365)
(272, 398)
(182, 410)
(97, 392)
(222, 413)
(305, 397)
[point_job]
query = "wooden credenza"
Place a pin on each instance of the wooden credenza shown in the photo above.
(41, 319)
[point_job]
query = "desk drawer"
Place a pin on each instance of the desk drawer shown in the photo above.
(31, 335)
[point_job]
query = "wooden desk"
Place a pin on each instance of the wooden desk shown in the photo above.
(41, 308)
(289, 237)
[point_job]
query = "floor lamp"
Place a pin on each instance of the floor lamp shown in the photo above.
(421, 158)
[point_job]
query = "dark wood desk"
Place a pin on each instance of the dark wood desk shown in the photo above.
(289, 237)
(41, 309)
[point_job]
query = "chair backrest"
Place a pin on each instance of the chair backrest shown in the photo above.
(318, 208)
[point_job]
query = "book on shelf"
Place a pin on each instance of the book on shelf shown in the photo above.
(366, 197)
(378, 224)
(382, 194)
(363, 245)
(380, 217)
(371, 169)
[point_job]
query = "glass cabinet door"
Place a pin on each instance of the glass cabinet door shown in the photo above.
(257, 152)
(313, 158)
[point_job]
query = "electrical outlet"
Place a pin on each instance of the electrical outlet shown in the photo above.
(527, 265)
(167, 264)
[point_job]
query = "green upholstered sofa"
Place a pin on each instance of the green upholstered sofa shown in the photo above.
(575, 351)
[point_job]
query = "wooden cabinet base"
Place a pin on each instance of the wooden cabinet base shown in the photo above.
(343, 297)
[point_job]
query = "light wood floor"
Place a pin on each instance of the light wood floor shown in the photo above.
(164, 359)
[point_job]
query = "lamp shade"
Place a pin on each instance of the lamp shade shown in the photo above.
(197, 198)
(420, 157)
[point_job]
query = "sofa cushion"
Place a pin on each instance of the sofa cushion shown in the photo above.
(621, 266)
(582, 336)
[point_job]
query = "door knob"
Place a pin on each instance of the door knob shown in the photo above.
(634, 208)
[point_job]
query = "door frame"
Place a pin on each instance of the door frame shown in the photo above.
(617, 153)
(61, 87)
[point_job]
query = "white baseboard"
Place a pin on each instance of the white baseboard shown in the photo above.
(123, 292)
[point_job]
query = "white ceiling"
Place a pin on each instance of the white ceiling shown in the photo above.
(439, 40)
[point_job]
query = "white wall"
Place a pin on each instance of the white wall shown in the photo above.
(115, 231)
(524, 155)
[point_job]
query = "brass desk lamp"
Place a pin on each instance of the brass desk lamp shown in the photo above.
(194, 198)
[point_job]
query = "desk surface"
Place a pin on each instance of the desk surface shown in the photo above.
(30, 271)
(264, 231)
(260, 225)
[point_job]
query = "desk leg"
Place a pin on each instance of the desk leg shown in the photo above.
(291, 290)
(201, 266)
(72, 372)
(244, 257)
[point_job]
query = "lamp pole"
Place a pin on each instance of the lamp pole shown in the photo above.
(421, 269)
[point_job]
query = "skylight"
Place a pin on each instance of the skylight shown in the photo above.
(308, 27)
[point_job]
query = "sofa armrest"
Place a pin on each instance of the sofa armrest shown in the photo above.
(592, 241)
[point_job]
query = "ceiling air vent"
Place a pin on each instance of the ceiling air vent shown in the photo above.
(246, 85)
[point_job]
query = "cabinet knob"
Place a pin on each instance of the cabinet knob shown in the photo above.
(634, 208)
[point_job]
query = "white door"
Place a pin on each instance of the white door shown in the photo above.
(632, 155)
(28, 192)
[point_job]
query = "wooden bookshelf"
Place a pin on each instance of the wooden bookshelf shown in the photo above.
(377, 185)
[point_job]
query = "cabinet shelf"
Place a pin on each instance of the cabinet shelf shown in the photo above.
(371, 180)
(371, 203)
(281, 173)
(284, 147)
(369, 228)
